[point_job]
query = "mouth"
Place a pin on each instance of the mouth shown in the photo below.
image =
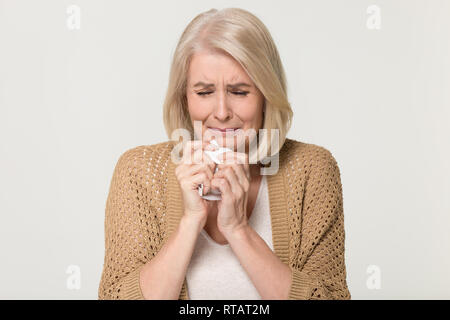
(225, 130)
(226, 135)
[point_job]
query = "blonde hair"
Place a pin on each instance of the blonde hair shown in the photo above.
(243, 36)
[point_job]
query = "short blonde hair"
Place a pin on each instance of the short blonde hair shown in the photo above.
(243, 36)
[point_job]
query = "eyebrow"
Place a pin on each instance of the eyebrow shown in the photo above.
(234, 85)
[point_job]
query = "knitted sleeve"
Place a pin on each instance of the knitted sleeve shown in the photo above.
(126, 248)
(320, 271)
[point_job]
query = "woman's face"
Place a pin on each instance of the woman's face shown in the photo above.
(222, 96)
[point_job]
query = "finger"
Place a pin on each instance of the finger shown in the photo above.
(197, 154)
(190, 170)
(193, 182)
(229, 174)
(209, 161)
(243, 178)
(239, 169)
(235, 157)
(207, 184)
(244, 162)
(190, 147)
(227, 157)
(205, 159)
(245, 167)
(224, 187)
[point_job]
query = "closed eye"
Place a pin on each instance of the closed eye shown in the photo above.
(238, 93)
(204, 93)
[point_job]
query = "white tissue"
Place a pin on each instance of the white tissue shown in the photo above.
(216, 153)
(213, 194)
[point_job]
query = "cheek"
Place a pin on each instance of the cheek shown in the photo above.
(197, 107)
(250, 111)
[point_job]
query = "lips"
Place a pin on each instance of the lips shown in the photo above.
(224, 129)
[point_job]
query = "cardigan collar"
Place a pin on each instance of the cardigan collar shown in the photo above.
(278, 210)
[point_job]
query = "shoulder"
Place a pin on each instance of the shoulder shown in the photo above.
(144, 170)
(307, 157)
(150, 157)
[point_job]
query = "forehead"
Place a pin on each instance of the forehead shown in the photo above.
(214, 66)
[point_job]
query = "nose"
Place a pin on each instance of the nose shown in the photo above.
(222, 111)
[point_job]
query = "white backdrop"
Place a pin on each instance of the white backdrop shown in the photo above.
(368, 80)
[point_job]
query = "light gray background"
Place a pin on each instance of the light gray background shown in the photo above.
(72, 101)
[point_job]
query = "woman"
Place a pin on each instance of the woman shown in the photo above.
(271, 236)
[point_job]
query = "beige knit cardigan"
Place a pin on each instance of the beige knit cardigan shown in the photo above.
(144, 207)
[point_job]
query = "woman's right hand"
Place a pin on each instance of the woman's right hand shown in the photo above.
(194, 169)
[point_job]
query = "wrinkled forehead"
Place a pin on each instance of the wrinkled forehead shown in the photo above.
(214, 68)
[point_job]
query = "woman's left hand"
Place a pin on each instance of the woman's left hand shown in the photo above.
(233, 181)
